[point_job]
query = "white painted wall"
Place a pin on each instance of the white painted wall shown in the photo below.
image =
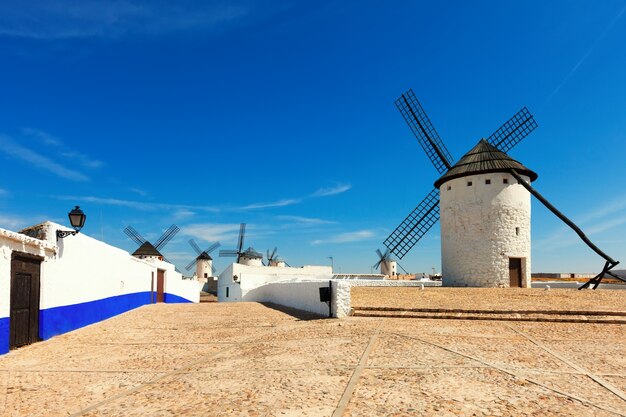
(478, 230)
(388, 268)
(251, 277)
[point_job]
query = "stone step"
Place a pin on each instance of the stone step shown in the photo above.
(579, 317)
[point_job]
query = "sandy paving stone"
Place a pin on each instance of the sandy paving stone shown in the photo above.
(396, 350)
(57, 394)
(466, 328)
(250, 393)
(581, 331)
(454, 392)
(580, 386)
(595, 356)
(339, 352)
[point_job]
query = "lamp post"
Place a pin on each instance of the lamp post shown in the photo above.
(77, 220)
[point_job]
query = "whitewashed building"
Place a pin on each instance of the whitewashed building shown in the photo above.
(485, 221)
(49, 287)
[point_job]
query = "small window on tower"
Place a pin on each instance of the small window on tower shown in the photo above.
(487, 181)
(505, 181)
(206, 275)
(517, 231)
(449, 187)
(469, 183)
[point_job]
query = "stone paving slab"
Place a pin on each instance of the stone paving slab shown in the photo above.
(246, 359)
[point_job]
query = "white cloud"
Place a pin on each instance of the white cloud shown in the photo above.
(212, 232)
(307, 221)
(61, 149)
(17, 151)
(338, 189)
(139, 191)
(138, 205)
(66, 19)
(346, 237)
(279, 203)
(183, 214)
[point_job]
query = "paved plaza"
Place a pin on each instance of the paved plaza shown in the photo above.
(248, 359)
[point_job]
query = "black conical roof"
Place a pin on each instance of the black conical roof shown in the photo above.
(204, 256)
(147, 249)
(481, 159)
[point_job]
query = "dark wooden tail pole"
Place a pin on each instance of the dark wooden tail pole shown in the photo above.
(610, 262)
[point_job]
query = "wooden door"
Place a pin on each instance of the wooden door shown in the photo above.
(515, 272)
(160, 285)
(24, 315)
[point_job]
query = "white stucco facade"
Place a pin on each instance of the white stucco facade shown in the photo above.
(485, 221)
(242, 282)
(389, 268)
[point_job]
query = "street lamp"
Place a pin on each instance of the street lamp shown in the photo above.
(77, 220)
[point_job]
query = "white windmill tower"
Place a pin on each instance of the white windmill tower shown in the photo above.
(485, 210)
(485, 220)
(203, 261)
(205, 272)
(388, 266)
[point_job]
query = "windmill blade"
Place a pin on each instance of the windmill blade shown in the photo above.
(400, 266)
(166, 237)
(424, 131)
(212, 247)
(195, 246)
(513, 131)
(213, 270)
(242, 232)
(380, 260)
(274, 252)
(229, 253)
(415, 225)
(191, 264)
(134, 235)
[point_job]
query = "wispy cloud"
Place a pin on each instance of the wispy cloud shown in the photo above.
(139, 191)
(346, 237)
(585, 56)
(338, 189)
(307, 221)
(279, 203)
(67, 19)
(212, 232)
(138, 205)
(11, 148)
(3, 192)
(61, 149)
(183, 214)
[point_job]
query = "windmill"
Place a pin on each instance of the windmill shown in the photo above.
(274, 260)
(147, 250)
(487, 162)
(203, 261)
(387, 264)
(247, 257)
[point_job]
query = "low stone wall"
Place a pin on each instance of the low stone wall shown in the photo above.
(341, 302)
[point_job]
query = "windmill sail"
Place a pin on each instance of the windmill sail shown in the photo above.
(415, 225)
(513, 131)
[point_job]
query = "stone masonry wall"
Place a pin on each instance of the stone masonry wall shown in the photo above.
(482, 226)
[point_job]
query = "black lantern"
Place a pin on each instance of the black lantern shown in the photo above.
(77, 220)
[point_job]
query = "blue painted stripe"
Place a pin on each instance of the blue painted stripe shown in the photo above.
(4, 335)
(173, 298)
(58, 320)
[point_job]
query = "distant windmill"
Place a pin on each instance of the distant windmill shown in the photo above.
(274, 260)
(387, 264)
(485, 231)
(247, 257)
(147, 250)
(203, 261)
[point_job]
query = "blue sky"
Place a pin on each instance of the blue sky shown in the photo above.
(281, 115)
